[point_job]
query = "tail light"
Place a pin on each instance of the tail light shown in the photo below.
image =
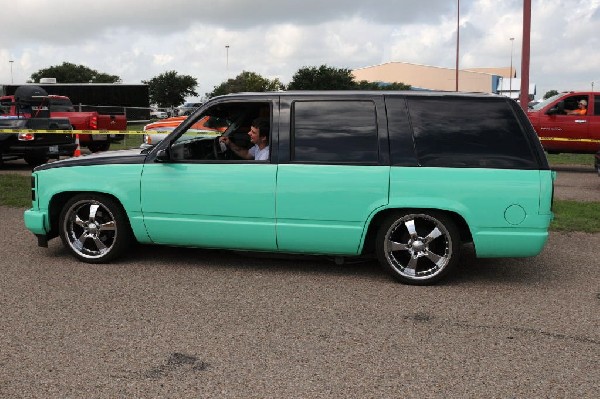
(94, 122)
(26, 137)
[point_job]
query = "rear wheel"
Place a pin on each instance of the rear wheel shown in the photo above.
(419, 247)
(94, 228)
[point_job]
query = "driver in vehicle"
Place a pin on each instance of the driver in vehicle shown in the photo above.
(259, 136)
(581, 108)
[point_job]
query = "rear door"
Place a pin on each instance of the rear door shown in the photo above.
(333, 175)
(594, 119)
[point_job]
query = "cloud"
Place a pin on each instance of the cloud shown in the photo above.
(138, 40)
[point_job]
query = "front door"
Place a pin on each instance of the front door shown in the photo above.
(565, 128)
(219, 205)
(197, 193)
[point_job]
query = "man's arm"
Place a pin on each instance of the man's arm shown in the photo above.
(239, 151)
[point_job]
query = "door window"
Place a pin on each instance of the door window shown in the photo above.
(334, 132)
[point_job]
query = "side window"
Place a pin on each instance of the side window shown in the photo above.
(200, 141)
(468, 133)
(5, 107)
(596, 104)
(334, 132)
(574, 105)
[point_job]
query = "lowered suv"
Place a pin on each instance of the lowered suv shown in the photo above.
(405, 176)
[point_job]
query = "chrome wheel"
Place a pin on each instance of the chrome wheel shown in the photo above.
(418, 248)
(94, 228)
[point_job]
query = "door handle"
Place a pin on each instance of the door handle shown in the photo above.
(580, 121)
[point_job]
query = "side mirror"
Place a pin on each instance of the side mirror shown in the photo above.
(163, 155)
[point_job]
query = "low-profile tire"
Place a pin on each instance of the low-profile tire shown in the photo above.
(35, 160)
(95, 228)
(418, 247)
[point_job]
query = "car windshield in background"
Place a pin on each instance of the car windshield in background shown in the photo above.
(547, 101)
(207, 126)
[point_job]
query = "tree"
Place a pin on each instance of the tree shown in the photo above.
(550, 93)
(246, 81)
(330, 78)
(322, 78)
(364, 85)
(169, 89)
(71, 73)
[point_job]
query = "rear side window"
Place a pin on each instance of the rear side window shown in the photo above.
(596, 105)
(469, 133)
(334, 132)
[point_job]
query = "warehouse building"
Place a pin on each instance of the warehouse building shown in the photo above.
(425, 77)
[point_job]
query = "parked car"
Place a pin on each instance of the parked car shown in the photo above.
(187, 108)
(157, 114)
(157, 131)
(405, 176)
(35, 148)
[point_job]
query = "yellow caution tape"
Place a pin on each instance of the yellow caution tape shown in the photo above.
(41, 131)
(569, 139)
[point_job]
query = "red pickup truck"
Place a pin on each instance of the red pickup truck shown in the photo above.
(61, 107)
(568, 122)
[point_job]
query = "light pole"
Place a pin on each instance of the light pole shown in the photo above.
(227, 60)
(11, 75)
(512, 42)
(457, 37)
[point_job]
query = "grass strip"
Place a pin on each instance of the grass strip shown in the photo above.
(15, 190)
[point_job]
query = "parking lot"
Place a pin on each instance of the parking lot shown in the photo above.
(176, 322)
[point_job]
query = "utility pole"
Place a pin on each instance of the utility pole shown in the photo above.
(11, 74)
(512, 41)
(227, 61)
(457, 38)
(524, 97)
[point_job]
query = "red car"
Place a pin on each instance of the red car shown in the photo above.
(158, 130)
(568, 122)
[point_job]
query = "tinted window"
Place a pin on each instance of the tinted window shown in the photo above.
(402, 148)
(468, 132)
(61, 105)
(334, 132)
(596, 105)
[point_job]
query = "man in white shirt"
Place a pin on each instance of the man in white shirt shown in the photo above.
(259, 136)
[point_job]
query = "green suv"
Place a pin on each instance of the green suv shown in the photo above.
(406, 176)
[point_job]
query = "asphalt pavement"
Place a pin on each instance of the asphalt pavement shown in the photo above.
(189, 323)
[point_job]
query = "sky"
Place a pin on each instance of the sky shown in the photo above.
(218, 39)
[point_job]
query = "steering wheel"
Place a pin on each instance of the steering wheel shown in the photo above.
(217, 149)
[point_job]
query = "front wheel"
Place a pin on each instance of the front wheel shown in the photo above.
(94, 228)
(417, 247)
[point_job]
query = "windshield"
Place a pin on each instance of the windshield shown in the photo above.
(547, 101)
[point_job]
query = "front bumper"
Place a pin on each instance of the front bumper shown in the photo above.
(36, 221)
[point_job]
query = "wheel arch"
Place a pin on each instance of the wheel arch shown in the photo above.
(368, 244)
(58, 201)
